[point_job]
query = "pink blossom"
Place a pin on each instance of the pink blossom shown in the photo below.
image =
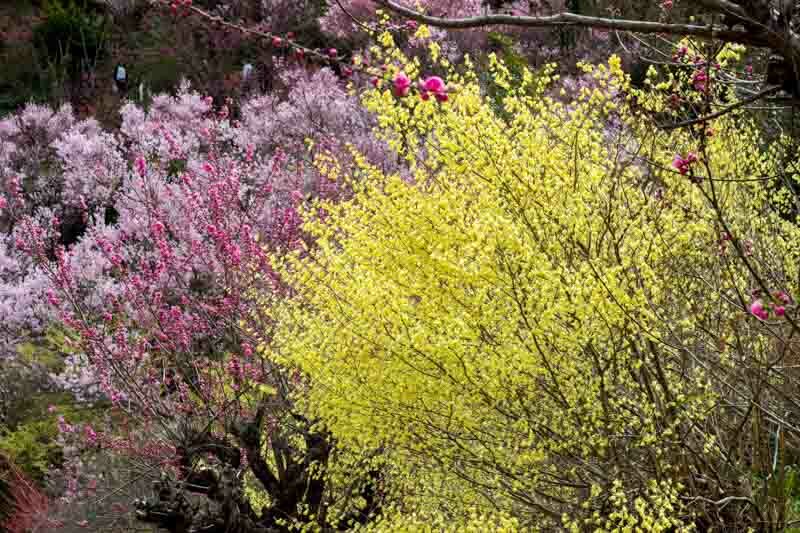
(758, 310)
(434, 84)
(700, 80)
(782, 296)
(332, 52)
(779, 310)
(63, 426)
(683, 164)
(141, 166)
(402, 84)
(90, 434)
(52, 299)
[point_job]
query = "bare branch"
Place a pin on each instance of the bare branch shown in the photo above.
(707, 31)
(741, 103)
(725, 7)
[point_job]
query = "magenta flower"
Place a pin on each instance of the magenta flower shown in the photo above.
(781, 296)
(402, 84)
(683, 164)
(91, 435)
(434, 84)
(141, 166)
(779, 310)
(700, 80)
(332, 52)
(758, 310)
(247, 350)
(681, 53)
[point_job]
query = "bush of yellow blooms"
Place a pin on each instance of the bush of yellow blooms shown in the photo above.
(564, 318)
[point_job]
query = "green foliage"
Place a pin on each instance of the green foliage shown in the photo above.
(516, 64)
(33, 447)
(33, 443)
(47, 351)
(21, 79)
(71, 37)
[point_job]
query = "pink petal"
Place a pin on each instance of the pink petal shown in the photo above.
(434, 84)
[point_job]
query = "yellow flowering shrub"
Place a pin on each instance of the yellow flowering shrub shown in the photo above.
(549, 320)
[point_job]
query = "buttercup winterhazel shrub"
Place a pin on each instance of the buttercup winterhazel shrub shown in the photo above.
(539, 323)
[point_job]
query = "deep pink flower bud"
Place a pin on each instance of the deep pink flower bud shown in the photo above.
(411, 25)
(683, 164)
(779, 310)
(141, 166)
(332, 52)
(375, 81)
(434, 84)
(52, 299)
(757, 310)
(277, 41)
(402, 84)
(782, 297)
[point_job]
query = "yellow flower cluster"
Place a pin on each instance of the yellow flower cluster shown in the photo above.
(533, 325)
